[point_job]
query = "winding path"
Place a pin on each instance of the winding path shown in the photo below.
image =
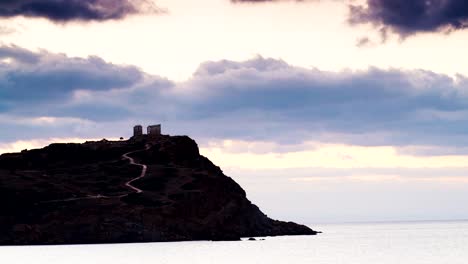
(128, 184)
(144, 168)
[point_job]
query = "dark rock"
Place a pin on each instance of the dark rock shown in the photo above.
(76, 193)
(252, 239)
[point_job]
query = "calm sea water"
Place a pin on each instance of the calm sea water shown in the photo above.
(381, 243)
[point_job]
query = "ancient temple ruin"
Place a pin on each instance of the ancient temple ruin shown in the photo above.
(137, 130)
(153, 130)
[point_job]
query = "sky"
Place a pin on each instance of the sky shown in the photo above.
(324, 111)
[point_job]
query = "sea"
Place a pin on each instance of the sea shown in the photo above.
(352, 243)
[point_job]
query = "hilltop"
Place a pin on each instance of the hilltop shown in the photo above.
(140, 190)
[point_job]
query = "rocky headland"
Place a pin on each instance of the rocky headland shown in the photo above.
(146, 189)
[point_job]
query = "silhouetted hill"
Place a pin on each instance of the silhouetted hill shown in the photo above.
(84, 193)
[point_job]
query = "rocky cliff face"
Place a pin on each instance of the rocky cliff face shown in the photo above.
(84, 193)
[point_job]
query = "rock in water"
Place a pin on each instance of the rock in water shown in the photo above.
(91, 193)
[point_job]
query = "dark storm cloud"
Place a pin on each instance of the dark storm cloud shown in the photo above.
(259, 99)
(404, 17)
(75, 10)
(409, 17)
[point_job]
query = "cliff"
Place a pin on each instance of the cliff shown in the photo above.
(140, 190)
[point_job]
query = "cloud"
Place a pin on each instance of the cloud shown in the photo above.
(260, 99)
(6, 30)
(33, 77)
(269, 99)
(364, 42)
(402, 17)
(75, 10)
(83, 94)
(410, 17)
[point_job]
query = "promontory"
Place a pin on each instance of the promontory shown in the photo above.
(150, 188)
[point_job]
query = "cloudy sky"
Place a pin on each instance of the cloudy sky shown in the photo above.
(324, 111)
